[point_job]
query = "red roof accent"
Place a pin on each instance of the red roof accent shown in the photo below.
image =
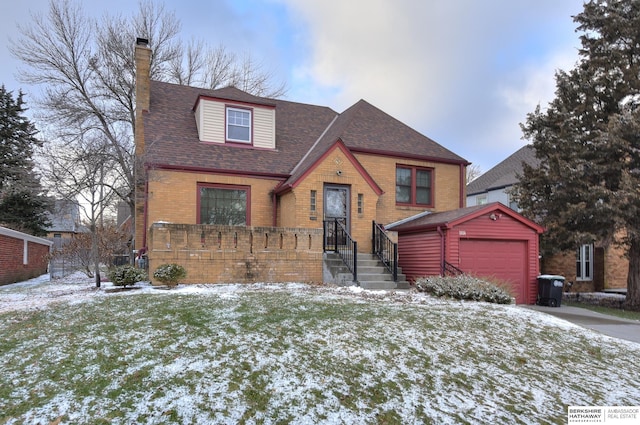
(449, 219)
(338, 144)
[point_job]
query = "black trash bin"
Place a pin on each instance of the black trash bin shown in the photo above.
(550, 290)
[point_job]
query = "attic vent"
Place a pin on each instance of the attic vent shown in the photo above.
(142, 41)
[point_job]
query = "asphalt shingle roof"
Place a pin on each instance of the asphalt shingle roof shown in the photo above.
(504, 174)
(171, 136)
(438, 218)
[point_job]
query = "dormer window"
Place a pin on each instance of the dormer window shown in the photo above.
(238, 125)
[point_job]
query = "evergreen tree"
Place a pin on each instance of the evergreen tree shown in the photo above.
(587, 139)
(23, 205)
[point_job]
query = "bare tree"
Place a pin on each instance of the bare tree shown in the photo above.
(473, 172)
(84, 170)
(80, 250)
(216, 67)
(87, 70)
(88, 73)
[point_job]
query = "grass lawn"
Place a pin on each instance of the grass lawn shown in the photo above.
(277, 354)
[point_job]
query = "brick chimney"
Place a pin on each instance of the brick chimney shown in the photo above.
(143, 65)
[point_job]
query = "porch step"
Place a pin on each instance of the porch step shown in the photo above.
(372, 274)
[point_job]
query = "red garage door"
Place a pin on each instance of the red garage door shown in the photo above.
(499, 259)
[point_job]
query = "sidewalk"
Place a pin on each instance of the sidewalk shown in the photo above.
(609, 325)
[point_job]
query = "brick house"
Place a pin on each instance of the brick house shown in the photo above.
(22, 256)
(240, 188)
(598, 266)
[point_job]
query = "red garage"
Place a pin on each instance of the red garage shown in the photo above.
(490, 241)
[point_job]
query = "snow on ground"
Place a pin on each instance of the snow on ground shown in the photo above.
(477, 394)
(39, 292)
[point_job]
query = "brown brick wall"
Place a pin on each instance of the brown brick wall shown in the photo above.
(12, 268)
(610, 269)
(238, 254)
(173, 196)
(326, 172)
(288, 211)
(564, 264)
(383, 169)
(616, 267)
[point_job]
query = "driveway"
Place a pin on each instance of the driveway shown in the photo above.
(609, 325)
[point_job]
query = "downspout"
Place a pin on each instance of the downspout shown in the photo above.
(275, 208)
(463, 185)
(442, 257)
(145, 212)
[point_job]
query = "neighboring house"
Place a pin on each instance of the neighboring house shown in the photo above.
(591, 267)
(123, 216)
(22, 256)
(495, 184)
(65, 222)
(244, 188)
(489, 241)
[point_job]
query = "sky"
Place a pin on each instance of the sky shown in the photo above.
(463, 72)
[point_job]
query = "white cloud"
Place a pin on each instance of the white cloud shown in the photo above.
(463, 72)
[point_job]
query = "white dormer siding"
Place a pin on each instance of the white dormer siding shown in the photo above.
(264, 128)
(211, 122)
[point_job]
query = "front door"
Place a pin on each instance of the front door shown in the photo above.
(336, 206)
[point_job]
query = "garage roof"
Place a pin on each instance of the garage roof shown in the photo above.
(448, 219)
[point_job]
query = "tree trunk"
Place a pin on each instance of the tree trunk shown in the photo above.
(96, 254)
(633, 279)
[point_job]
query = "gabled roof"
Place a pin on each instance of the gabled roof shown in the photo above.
(303, 134)
(171, 136)
(505, 174)
(298, 176)
(365, 128)
(449, 219)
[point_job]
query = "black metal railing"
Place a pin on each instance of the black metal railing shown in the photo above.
(385, 249)
(337, 239)
(449, 269)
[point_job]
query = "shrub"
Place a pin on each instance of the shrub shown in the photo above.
(464, 287)
(170, 274)
(126, 275)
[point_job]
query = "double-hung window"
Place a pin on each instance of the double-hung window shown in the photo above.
(238, 125)
(223, 204)
(414, 186)
(584, 262)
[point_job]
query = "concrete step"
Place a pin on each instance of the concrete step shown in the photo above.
(366, 277)
(372, 274)
(381, 284)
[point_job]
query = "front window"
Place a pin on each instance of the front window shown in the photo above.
(239, 125)
(584, 263)
(481, 200)
(226, 205)
(312, 201)
(414, 186)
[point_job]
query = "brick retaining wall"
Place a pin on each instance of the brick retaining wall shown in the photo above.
(237, 254)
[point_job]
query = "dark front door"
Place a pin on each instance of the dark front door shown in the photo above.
(336, 207)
